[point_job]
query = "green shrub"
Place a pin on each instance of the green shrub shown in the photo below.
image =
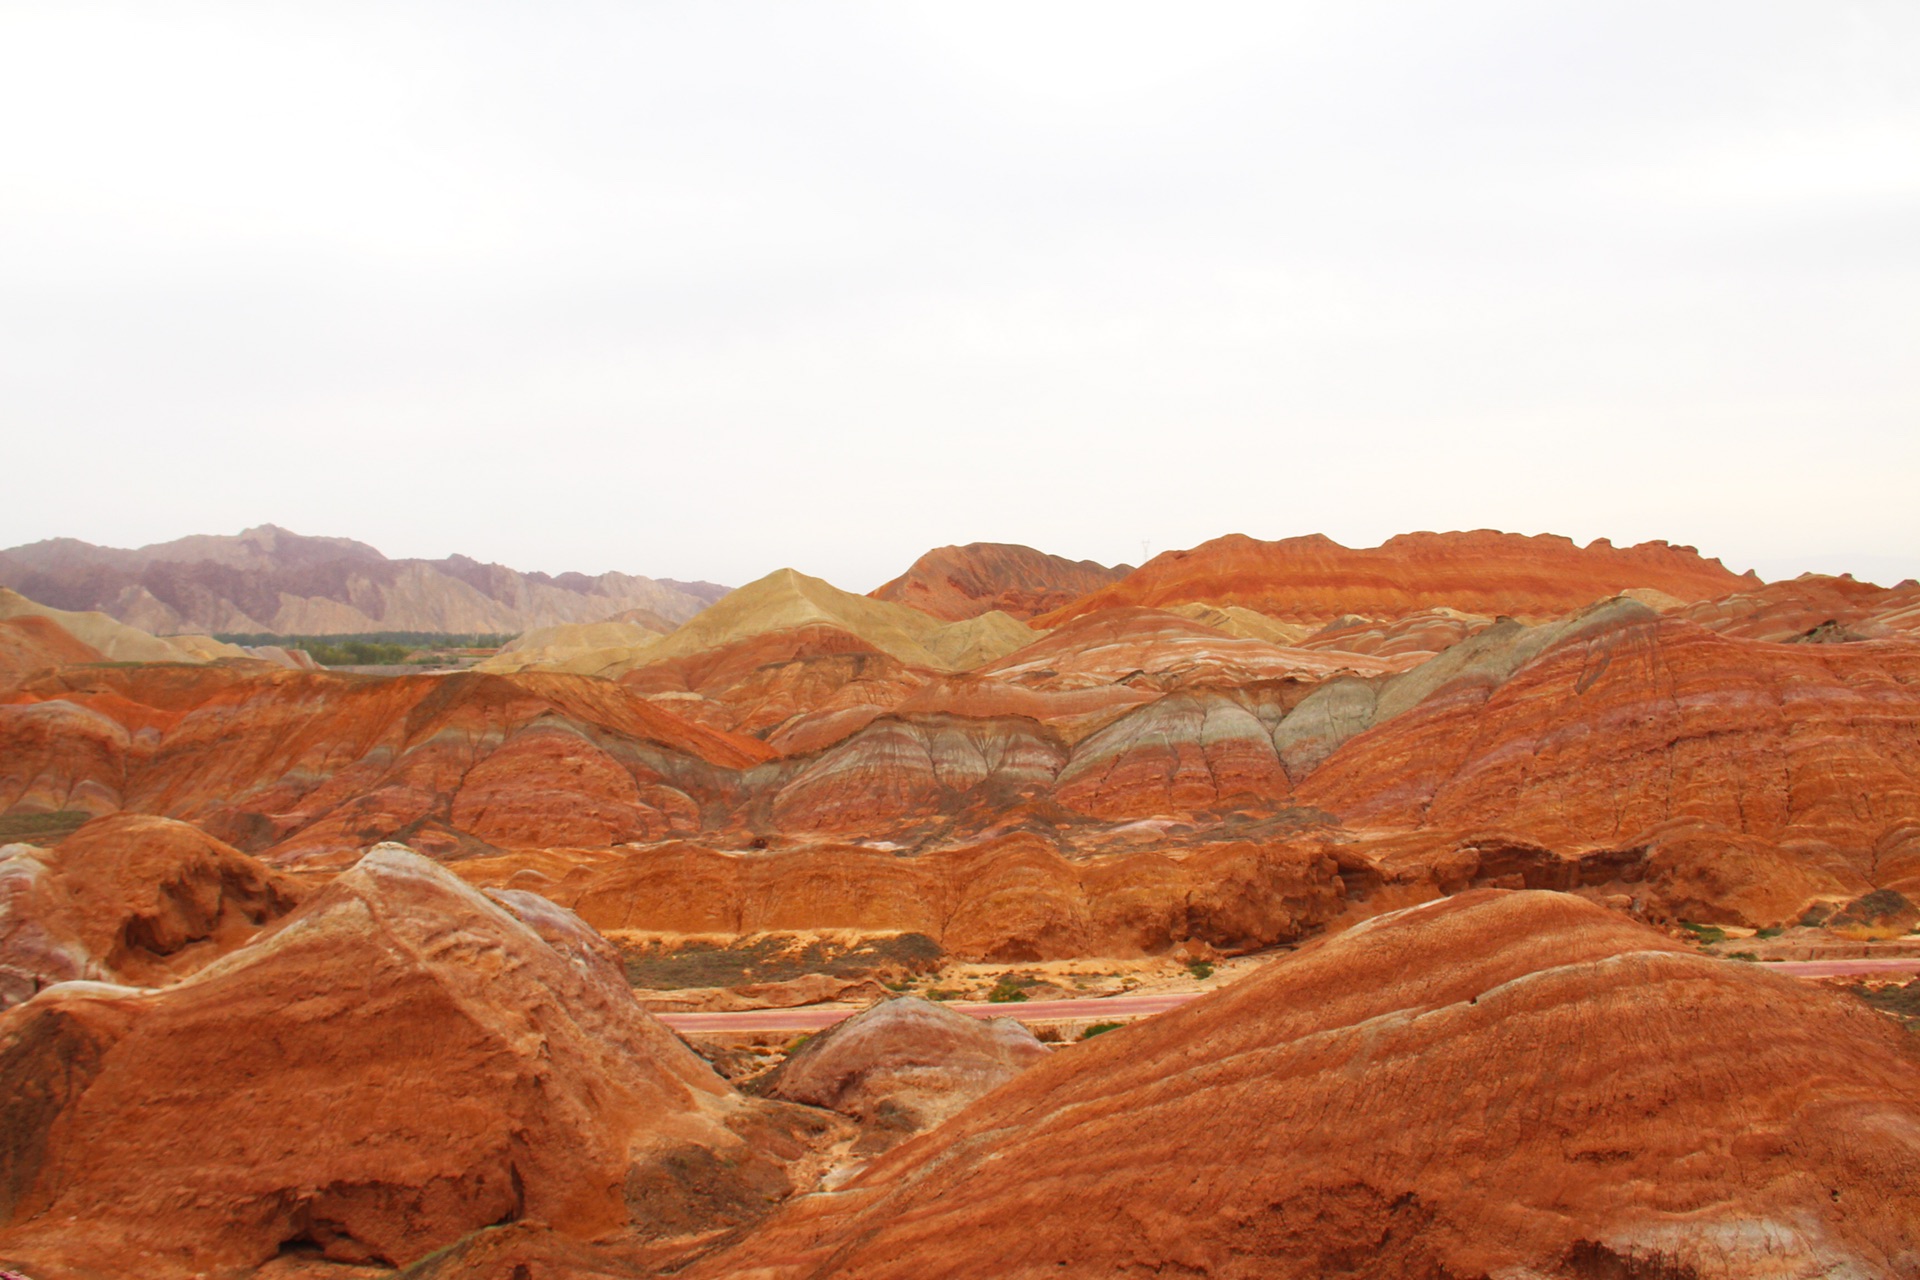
(1771, 931)
(1006, 991)
(944, 993)
(1705, 934)
(1200, 969)
(1743, 955)
(1100, 1029)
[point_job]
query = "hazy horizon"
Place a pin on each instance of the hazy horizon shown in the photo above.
(1839, 564)
(696, 292)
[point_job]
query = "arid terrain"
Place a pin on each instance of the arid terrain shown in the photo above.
(1471, 907)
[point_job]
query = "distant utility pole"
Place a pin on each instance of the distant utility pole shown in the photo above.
(1146, 551)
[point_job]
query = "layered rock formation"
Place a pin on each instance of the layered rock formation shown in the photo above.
(955, 583)
(128, 898)
(1316, 579)
(301, 764)
(1629, 729)
(399, 1064)
(267, 580)
(904, 1064)
(1500, 1084)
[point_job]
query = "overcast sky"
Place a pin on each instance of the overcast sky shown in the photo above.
(699, 290)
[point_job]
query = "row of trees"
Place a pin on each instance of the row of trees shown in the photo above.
(373, 649)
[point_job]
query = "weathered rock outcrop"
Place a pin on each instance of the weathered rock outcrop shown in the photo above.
(898, 770)
(964, 582)
(1181, 754)
(128, 899)
(400, 1063)
(904, 1064)
(1502, 1084)
(1010, 898)
(1316, 579)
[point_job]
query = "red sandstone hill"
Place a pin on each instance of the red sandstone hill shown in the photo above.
(964, 582)
(296, 764)
(1314, 578)
(30, 644)
(1793, 768)
(1497, 1085)
(1813, 607)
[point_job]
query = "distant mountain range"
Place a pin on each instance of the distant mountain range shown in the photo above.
(267, 580)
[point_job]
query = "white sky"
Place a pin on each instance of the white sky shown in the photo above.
(698, 290)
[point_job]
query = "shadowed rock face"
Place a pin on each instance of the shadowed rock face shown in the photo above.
(1513, 1084)
(1315, 578)
(400, 1063)
(905, 1064)
(964, 582)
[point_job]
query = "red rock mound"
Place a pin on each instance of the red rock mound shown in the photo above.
(1813, 607)
(905, 1064)
(128, 898)
(1163, 651)
(1316, 579)
(762, 685)
(1495, 1085)
(953, 583)
(399, 1064)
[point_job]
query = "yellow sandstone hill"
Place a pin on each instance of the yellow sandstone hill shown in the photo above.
(784, 600)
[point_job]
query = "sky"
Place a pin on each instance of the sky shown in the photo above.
(702, 290)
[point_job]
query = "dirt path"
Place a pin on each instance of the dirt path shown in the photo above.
(1841, 968)
(816, 1018)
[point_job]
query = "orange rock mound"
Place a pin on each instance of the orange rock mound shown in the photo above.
(964, 582)
(1510, 1084)
(1314, 578)
(905, 1064)
(128, 898)
(400, 1063)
